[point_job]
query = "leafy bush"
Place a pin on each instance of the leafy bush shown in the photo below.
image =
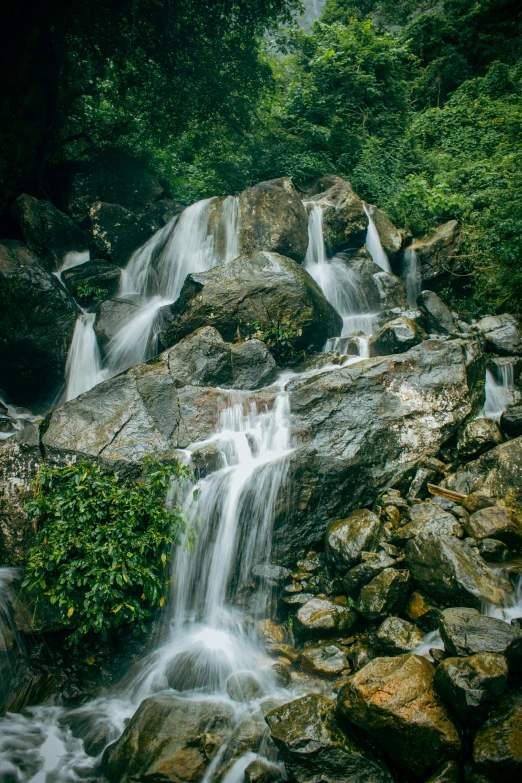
(87, 290)
(280, 338)
(103, 548)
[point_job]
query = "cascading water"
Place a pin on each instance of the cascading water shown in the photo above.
(203, 236)
(412, 276)
(500, 389)
(341, 285)
(373, 244)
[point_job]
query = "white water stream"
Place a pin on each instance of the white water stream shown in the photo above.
(412, 276)
(500, 390)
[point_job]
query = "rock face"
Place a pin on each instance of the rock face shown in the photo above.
(344, 220)
(364, 427)
(497, 474)
(346, 538)
(114, 177)
(37, 320)
(478, 436)
(386, 594)
(497, 750)
(391, 239)
(322, 617)
(436, 251)
(261, 286)
(452, 572)
(466, 632)
(272, 218)
(502, 333)
(393, 699)
(116, 232)
(314, 748)
(92, 282)
(495, 522)
(169, 739)
(396, 336)
(470, 686)
(49, 233)
(437, 316)
(511, 421)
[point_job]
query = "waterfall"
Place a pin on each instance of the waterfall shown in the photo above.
(342, 286)
(412, 276)
(71, 260)
(373, 244)
(500, 390)
(83, 368)
(203, 236)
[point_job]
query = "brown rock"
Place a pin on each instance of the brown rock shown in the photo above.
(495, 522)
(386, 594)
(497, 750)
(470, 686)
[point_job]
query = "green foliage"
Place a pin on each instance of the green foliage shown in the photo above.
(103, 548)
(280, 338)
(87, 290)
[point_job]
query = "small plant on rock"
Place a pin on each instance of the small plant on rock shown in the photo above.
(103, 548)
(280, 337)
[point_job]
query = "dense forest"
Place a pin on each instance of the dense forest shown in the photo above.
(416, 102)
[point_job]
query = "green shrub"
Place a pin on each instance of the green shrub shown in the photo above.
(103, 548)
(280, 338)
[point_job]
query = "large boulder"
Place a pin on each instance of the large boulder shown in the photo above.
(345, 222)
(169, 739)
(315, 748)
(394, 701)
(391, 239)
(116, 232)
(465, 631)
(324, 660)
(112, 316)
(396, 336)
(497, 474)
(511, 421)
(322, 617)
(437, 316)
(497, 749)
(470, 686)
(395, 636)
(92, 282)
(428, 518)
(385, 595)
(495, 522)
(436, 251)
(477, 436)
(49, 233)
(502, 333)
(346, 538)
(452, 572)
(272, 217)
(114, 177)
(37, 319)
(367, 426)
(263, 287)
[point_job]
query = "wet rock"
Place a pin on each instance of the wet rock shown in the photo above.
(92, 282)
(420, 482)
(272, 218)
(117, 232)
(395, 636)
(478, 436)
(495, 522)
(497, 749)
(466, 632)
(273, 575)
(346, 538)
(511, 421)
(396, 336)
(437, 316)
(470, 686)
(436, 251)
(385, 595)
(169, 738)
(243, 686)
(322, 617)
(475, 501)
(497, 475)
(114, 177)
(252, 365)
(393, 699)
(503, 334)
(493, 551)
(261, 771)
(325, 660)
(355, 579)
(344, 220)
(37, 320)
(448, 773)
(391, 239)
(49, 233)
(314, 747)
(452, 572)
(265, 287)
(390, 291)
(423, 612)
(282, 674)
(112, 317)
(207, 459)
(160, 213)
(428, 518)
